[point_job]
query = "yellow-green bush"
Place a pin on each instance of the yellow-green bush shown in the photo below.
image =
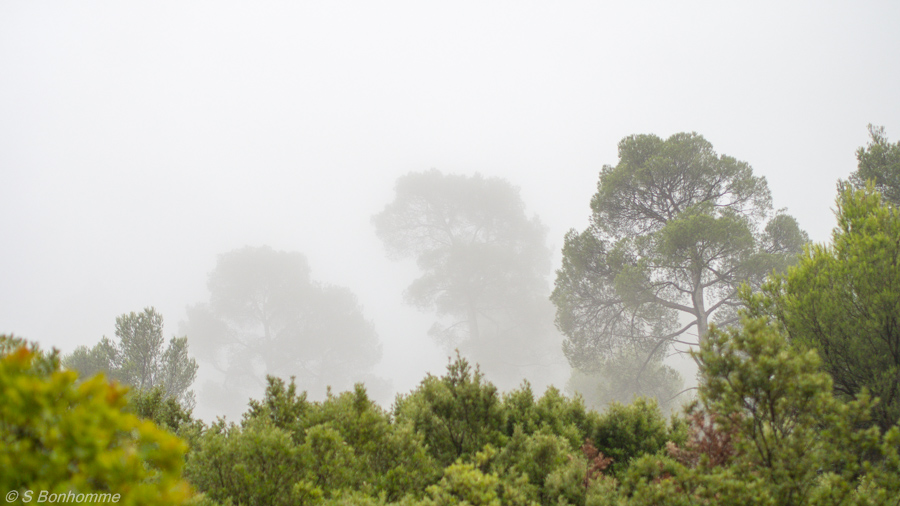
(59, 436)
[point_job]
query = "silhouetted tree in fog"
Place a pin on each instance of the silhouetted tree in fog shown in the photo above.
(483, 267)
(265, 316)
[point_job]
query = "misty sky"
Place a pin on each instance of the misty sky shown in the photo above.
(139, 140)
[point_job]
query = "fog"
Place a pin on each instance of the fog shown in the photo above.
(141, 140)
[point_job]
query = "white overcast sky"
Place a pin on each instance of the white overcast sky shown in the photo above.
(138, 140)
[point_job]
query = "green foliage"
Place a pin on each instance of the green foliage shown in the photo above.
(794, 439)
(164, 411)
(674, 232)
(544, 446)
(356, 498)
(532, 459)
(138, 358)
(881, 482)
(656, 480)
(464, 484)
(282, 406)
(625, 432)
(767, 430)
(329, 459)
(784, 415)
(255, 464)
(103, 358)
(565, 484)
(291, 450)
(520, 450)
(390, 459)
(43, 363)
(61, 436)
(879, 162)
(457, 414)
(553, 413)
(844, 301)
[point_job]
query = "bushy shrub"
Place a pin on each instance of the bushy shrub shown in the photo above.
(258, 463)
(293, 451)
(625, 432)
(552, 413)
(64, 437)
(457, 414)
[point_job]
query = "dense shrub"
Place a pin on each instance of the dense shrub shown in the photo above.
(625, 432)
(292, 451)
(552, 413)
(64, 437)
(457, 414)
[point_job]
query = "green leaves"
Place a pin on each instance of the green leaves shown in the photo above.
(58, 435)
(255, 464)
(625, 432)
(675, 230)
(138, 358)
(289, 450)
(879, 162)
(766, 431)
(464, 484)
(790, 429)
(657, 180)
(844, 301)
(457, 413)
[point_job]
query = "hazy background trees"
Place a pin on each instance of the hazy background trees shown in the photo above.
(675, 230)
(484, 266)
(266, 316)
(180, 152)
(138, 358)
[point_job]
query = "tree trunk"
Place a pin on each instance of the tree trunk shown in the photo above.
(699, 306)
(473, 321)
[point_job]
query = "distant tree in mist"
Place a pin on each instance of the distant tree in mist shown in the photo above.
(139, 358)
(879, 162)
(483, 266)
(675, 230)
(265, 316)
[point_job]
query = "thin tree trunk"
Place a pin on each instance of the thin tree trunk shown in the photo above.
(699, 306)
(473, 321)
